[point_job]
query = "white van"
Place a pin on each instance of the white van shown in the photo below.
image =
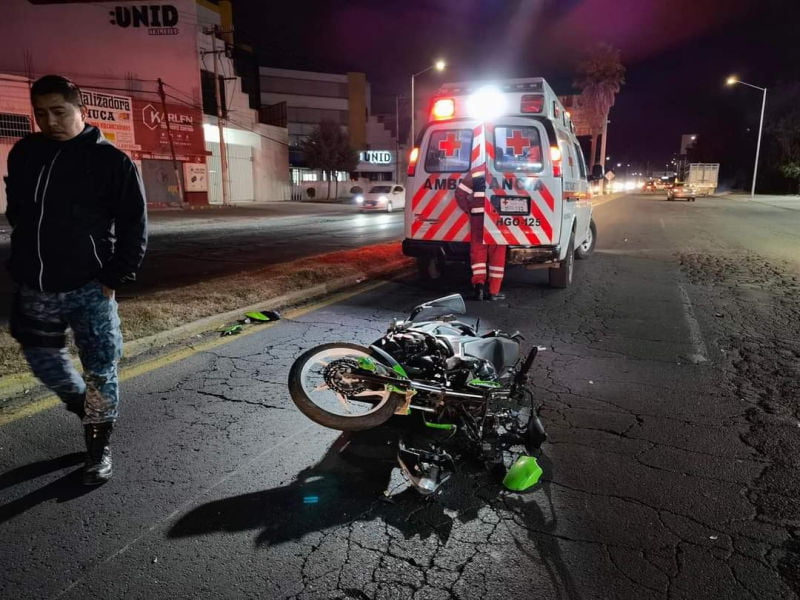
(537, 192)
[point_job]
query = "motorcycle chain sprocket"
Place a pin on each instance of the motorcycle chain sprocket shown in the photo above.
(337, 377)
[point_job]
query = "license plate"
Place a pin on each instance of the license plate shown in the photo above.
(512, 205)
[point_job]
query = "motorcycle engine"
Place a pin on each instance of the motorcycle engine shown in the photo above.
(412, 350)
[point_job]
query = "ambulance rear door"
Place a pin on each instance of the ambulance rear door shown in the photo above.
(523, 196)
(432, 214)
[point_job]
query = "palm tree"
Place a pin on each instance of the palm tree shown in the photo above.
(600, 77)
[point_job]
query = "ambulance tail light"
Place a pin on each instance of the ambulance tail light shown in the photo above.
(555, 157)
(531, 103)
(443, 108)
(412, 161)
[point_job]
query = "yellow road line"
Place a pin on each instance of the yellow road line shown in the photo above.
(158, 362)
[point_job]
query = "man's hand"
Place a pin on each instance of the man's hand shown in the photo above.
(108, 292)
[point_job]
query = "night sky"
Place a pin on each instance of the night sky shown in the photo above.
(677, 53)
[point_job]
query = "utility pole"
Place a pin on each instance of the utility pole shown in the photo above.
(162, 95)
(223, 151)
(397, 139)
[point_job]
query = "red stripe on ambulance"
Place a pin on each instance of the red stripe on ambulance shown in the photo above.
(523, 234)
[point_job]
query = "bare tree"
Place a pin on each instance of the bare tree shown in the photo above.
(600, 77)
(328, 149)
(783, 130)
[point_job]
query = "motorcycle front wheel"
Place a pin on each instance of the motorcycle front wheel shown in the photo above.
(325, 389)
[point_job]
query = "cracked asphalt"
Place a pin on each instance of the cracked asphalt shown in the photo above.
(670, 388)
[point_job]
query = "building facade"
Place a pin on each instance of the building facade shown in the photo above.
(141, 68)
(301, 100)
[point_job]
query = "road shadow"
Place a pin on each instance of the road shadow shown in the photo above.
(348, 485)
(66, 488)
(541, 523)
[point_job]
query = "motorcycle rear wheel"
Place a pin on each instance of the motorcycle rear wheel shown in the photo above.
(322, 387)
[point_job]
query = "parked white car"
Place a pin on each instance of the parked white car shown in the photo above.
(384, 197)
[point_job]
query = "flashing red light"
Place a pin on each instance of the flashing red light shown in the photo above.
(443, 108)
(555, 157)
(412, 161)
(531, 103)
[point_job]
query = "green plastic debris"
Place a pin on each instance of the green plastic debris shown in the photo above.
(447, 426)
(233, 329)
(260, 316)
(523, 474)
(483, 383)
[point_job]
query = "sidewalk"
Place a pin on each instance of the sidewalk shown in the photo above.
(18, 389)
(789, 202)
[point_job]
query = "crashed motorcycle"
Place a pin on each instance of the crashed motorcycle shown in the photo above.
(470, 392)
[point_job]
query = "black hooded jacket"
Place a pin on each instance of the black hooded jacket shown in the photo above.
(78, 213)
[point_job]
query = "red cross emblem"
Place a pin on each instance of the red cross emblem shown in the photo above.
(450, 145)
(517, 143)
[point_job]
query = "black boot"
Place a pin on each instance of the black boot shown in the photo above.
(98, 453)
(479, 291)
(497, 296)
(74, 404)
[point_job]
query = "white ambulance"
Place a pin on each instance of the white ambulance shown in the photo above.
(537, 192)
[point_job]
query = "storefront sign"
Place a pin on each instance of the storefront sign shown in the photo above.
(113, 115)
(377, 157)
(195, 177)
(185, 127)
(156, 19)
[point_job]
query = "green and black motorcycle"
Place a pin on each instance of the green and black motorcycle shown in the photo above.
(470, 391)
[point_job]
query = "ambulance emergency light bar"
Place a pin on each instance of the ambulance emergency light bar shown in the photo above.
(485, 103)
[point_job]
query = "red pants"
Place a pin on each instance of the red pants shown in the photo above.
(485, 258)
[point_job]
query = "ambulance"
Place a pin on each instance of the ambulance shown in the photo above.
(537, 201)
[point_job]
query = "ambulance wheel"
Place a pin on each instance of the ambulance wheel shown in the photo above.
(586, 249)
(561, 277)
(430, 268)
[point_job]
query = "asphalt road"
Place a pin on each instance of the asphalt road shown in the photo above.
(185, 247)
(670, 388)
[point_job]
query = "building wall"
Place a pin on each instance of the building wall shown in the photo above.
(359, 109)
(103, 45)
(123, 49)
(266, 145)
(118, 50)
(312, 97)
(16, 121)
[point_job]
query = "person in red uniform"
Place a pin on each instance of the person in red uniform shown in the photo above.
(486, 259)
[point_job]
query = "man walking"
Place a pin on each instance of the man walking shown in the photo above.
(484, 258)
(76, 205)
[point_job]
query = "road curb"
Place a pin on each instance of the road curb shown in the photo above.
(17, 386)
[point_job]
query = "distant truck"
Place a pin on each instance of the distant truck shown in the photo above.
(703, 177)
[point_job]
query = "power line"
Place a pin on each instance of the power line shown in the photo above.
(238, 124)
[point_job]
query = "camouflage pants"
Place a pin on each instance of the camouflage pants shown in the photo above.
(39, 321)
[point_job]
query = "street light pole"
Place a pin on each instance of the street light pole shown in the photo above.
(731, 81)
(397, 139)
(758, 144)
(439, 65)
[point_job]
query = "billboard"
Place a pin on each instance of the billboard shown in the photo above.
(153, 136)
(113, 115)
